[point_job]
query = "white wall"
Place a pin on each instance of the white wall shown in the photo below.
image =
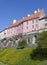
(42, 24)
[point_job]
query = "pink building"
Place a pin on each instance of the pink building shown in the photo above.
(29, 24)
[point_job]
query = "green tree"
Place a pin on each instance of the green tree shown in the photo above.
(40, 53)
(42, 40)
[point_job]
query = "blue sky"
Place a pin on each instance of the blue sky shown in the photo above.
(16, 9)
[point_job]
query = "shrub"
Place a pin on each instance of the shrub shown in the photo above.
(22, 44)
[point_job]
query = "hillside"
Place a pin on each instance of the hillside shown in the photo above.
(19, 57)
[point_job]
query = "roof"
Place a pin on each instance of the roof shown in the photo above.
(33, 16)
(45, 17)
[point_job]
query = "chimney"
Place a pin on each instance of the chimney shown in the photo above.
(14, 21)
(28, 15)
(35, 11)
(23, 17)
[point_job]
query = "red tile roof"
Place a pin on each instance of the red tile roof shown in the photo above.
(33, 16)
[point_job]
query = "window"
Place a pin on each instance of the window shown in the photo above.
(4, 33)
(32, 26)
(37, 25)
(14, 31)
(11, 32)
(32, 21)
(36, 20)
(45, 19)
(27, 27)
(46, 24)
(27, 22)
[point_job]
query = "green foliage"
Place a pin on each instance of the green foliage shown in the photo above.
(42, 39)
(39, 54)
(22, 44)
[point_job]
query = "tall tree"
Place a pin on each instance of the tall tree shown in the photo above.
(42, 40)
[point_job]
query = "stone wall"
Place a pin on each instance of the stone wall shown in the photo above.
(13, 41)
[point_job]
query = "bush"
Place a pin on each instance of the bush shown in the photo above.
(39, 54)
(22, 44)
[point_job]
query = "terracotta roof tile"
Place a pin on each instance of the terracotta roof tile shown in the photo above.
(33, 16)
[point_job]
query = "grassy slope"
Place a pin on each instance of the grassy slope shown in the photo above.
(19, 57)
(2, 63)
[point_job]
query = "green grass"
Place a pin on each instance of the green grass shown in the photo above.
(19, 57)
(2, 63)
